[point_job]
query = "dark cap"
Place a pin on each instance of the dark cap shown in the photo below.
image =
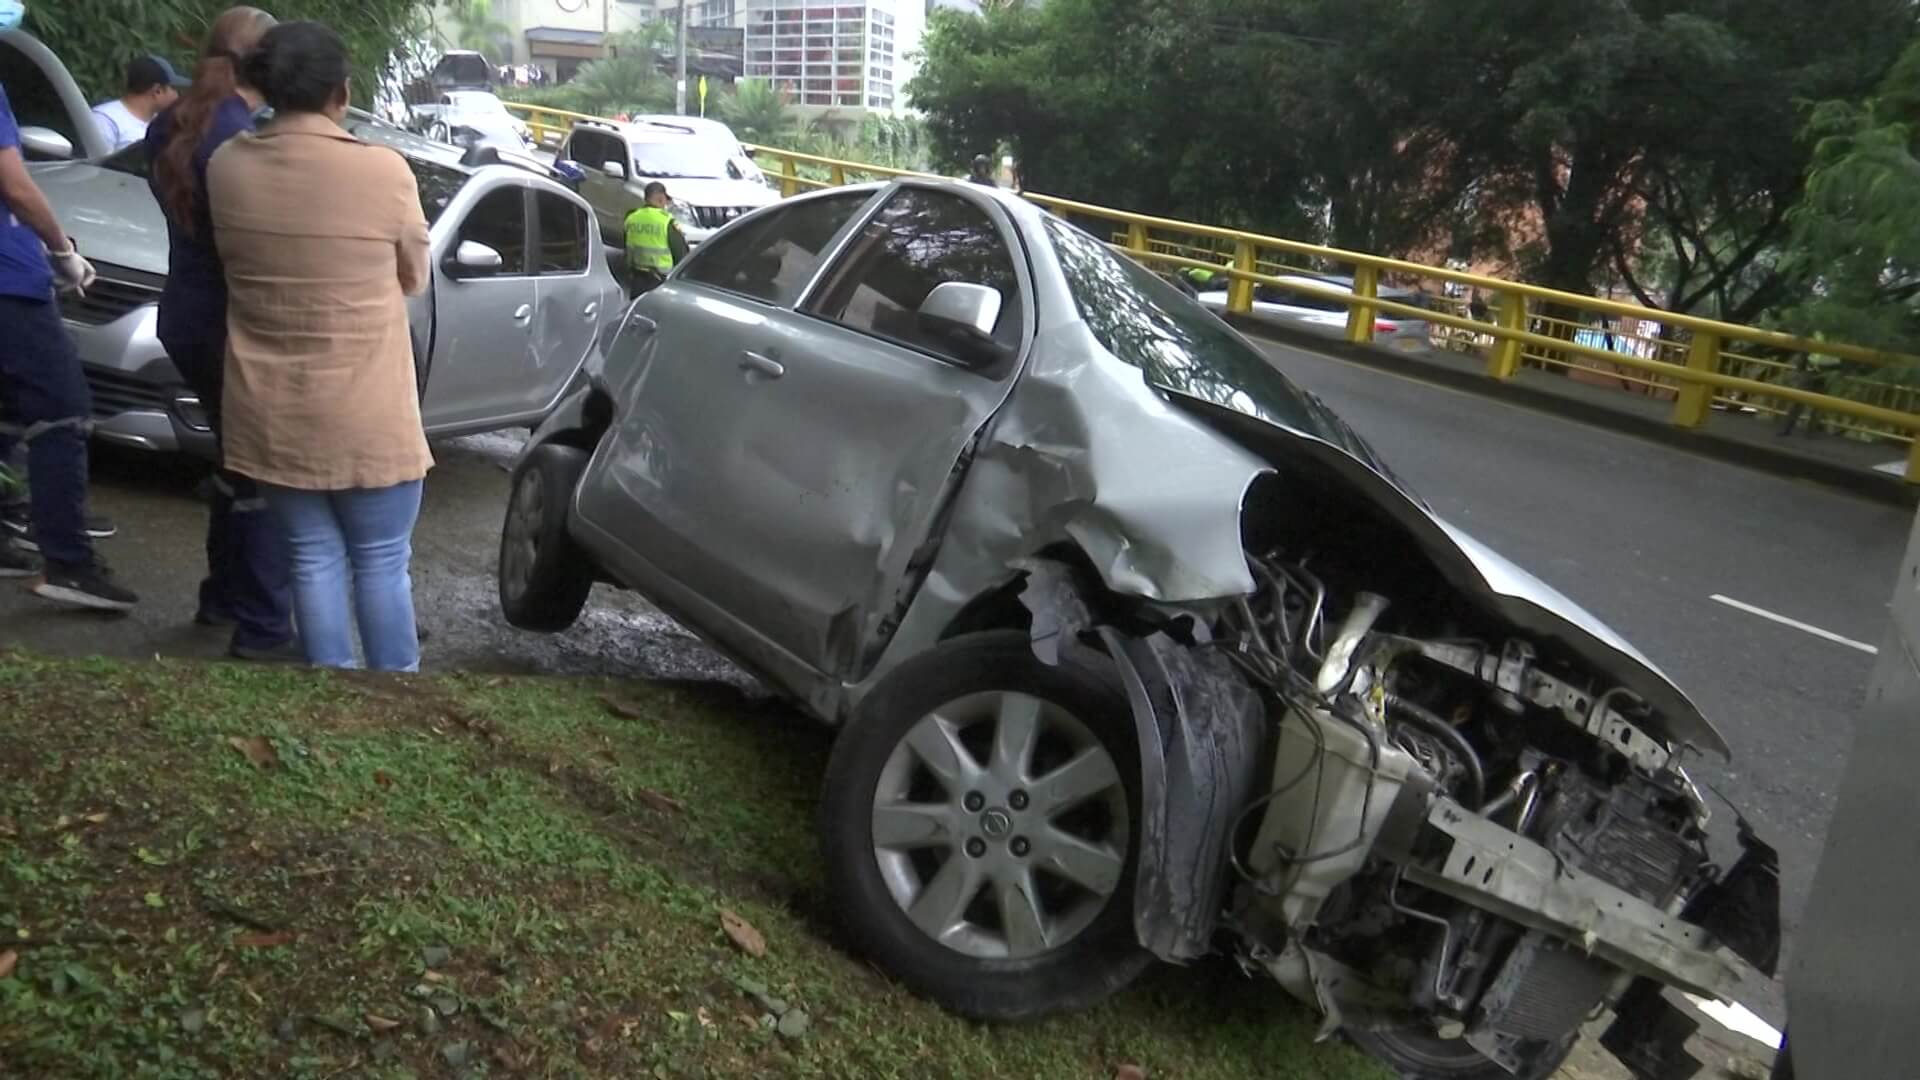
(654, 188)
(146, 72)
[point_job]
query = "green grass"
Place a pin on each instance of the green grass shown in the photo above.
(526, 881)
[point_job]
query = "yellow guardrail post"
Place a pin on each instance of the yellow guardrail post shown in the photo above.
(839, 175)
(1137, 236)
(1690, 405)
(1366, 286)
(1504, 360)
(789, 180)
(1240, 290)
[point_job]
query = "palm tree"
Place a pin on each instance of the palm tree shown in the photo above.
(475, 28)
(757, 111)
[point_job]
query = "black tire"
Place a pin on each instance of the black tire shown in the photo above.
(1422, 1055)
(543, 575)
(1095, 962)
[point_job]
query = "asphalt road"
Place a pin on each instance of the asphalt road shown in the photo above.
(1639, 534)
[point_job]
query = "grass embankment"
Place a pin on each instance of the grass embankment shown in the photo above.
(228, 870)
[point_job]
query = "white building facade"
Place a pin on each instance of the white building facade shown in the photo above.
(849, 56)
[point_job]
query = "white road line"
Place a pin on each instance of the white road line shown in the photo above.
(1796, 624)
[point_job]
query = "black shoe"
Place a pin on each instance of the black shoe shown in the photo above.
(219, 619)
(15, 562)
(289, 651)
(89, 586)
(19, 521)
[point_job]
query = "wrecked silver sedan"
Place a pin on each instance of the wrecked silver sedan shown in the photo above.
(1140, 652)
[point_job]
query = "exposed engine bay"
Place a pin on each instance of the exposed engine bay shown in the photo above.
(1461, 843)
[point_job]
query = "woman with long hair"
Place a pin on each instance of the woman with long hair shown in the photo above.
(323, 238)
(246, 586)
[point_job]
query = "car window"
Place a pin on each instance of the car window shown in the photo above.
(1274, 294)
(592, 149)
(563, 235)
(1179, 345)
(773, 256)
(921, 239)
(499, 220)
(688, 159)
(35, 101)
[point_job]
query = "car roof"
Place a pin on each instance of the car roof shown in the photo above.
(641, 131)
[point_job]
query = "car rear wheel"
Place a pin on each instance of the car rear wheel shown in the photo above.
(544, 577)
(980, 823)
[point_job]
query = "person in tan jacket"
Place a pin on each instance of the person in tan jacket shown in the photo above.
(323, 238)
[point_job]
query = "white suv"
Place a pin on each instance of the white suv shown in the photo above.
(709, 185)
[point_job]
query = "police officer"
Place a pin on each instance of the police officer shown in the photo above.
(982, 172)
(1195, 280)
(654, 242)
(43, 395)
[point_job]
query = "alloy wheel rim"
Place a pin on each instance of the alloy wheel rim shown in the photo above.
(1000, 825)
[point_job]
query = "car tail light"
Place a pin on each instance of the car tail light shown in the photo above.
(1382, 326)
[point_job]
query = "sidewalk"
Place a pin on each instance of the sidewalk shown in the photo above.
(1749, 440)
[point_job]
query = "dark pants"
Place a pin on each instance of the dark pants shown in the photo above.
(248, 579)
(44, 401)
(641, 280)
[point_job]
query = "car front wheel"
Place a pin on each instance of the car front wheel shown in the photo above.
(980, 825)
(544, 577)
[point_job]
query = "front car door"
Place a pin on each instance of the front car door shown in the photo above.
(574, 296)
(483, 319)
(842, 430)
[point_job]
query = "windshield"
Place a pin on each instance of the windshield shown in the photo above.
(476, 104)
(1145, 322)
(686, 159)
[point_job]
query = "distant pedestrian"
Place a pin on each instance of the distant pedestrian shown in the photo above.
(247, 586)
(982, 173)
(152, 86)
(322, 407)
(44, 400)
(655, 244)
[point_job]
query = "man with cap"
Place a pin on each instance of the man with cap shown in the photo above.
(654, 241)
(152, 85)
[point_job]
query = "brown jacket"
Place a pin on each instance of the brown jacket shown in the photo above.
(322, 237)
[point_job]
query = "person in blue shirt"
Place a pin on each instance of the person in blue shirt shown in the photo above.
(247, 586)
(43, 394)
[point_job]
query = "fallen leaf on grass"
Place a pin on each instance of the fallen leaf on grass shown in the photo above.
(706, 1018)
(381, 778)
(1129, 1072)
(381, 1023)
(742, 933)
(659, 801)
(94, 819)
(622, 709)
(264, 941)
(257, 749)
(8, 961)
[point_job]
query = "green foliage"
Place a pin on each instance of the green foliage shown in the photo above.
(757, 111)
(628, 81)
(1856, 236)
(475, 28)
(96, 38)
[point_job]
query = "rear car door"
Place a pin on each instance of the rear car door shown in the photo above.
(572, 300)
(483, 348)
(846, 427)
(592, 150)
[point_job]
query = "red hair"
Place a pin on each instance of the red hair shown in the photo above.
(215, 78)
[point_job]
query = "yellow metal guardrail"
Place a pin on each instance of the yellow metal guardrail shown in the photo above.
(1697, 372)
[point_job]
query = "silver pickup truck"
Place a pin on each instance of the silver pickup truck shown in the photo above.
(520, 290)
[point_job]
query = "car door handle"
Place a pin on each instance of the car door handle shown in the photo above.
(523, 313)
(590, 310)
(751, 361)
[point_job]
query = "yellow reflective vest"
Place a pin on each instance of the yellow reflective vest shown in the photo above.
(647, 247)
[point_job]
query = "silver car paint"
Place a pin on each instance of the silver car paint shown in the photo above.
(687, 499)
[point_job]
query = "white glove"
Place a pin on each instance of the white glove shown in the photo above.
(73, 272)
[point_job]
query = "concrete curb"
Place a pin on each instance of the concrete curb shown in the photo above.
(1702, 442)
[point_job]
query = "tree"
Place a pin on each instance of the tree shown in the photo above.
(475, 28)
(757, 111)
(96, 38)
(628, 79)
(1856, 235)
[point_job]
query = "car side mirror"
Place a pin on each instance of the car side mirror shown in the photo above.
(963, 316)
(615, 170)
(46, 143)
(474, 259)
(750, 151)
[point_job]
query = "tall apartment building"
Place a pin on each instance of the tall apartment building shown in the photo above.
(850, 56)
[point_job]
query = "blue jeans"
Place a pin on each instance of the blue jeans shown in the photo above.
(350, 551)
(44, 400)
(247, 577)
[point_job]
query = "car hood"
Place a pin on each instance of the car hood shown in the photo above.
(110, 215)
(714, 191)
(1471, 566)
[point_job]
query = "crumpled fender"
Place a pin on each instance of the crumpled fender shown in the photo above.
(1200, 732)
